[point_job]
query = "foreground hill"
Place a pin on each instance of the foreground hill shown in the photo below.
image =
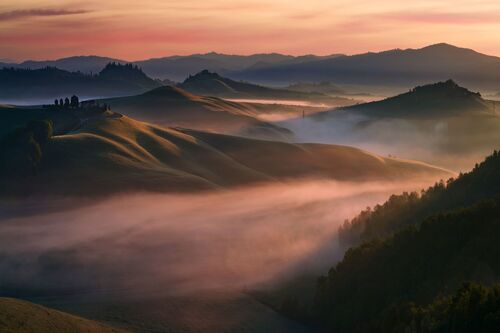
(48, 83)
(393, 67)
(212, 84)
(114, 153)
(171, 106)
(416, 252)
(18, 316)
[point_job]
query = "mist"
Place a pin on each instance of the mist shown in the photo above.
(232, 240)
(446, 142)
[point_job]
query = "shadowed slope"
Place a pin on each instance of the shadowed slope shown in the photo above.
(116, 153)
(18, 316)
(171, 106)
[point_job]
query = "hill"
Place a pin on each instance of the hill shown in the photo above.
(432, 100)
(212, 84)
(389, 68)
(18, 316)
(84, 64)
(440, 123)
(49, 83)
(172, 106)
(113, 153)
(410, 259)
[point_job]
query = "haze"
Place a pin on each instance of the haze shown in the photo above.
(136, 30)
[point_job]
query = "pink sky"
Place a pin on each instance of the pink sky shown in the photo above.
(132, 30)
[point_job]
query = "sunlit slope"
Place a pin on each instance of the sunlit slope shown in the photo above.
(171, 106)
(18, 316)
(117, 153)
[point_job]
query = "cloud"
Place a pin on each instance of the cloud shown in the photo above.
(23, 13)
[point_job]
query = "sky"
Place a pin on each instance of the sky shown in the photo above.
(134, 30)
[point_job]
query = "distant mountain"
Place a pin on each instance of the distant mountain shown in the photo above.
(212, 84)
(18, 316)
(49, 83)
(394, 67)
(432, 100)
(175, 68)
(179, 67)
(174, 107)
(84, 64)
(110, 153)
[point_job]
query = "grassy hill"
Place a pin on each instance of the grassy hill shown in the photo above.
(171, 106)
(212, 84)
(18, 316)
(114, 153)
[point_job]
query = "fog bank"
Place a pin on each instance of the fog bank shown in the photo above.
(227, 240)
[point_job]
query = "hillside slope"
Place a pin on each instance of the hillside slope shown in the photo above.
(212, 84)
(18, 316)
(115, 153)
(171, 106)
(441, 123)
(433, 100)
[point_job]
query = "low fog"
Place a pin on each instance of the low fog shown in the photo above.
(456, 143)
(231, 240)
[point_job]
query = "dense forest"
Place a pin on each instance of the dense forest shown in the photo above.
(400, 211)
(417, 255)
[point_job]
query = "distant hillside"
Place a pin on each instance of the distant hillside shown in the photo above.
(441, 123)
(49, 83)
(172, 106)
(324, 87)
(84, 64)
(390, 68)
(212, 84)
(114, 153)
(172, 67)
(18, 316)
(432, 100)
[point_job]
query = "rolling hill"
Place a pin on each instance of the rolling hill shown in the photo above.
(84, 64)
(432, 100)
(397, 67)
(212, 84)
(113, 153)
(18, 316)
(441, 123)
(43, 85)
(171, 106)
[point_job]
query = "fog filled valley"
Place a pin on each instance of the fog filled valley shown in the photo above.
(262, 193)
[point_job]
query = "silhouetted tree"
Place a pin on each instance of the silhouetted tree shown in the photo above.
(56, 102)
(74, 101)
(66, 102)
(61, 102)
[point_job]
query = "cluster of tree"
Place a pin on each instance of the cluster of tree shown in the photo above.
(74, 102)
(407, 209)
(473, 308)
(21, 150)
(416, 250)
